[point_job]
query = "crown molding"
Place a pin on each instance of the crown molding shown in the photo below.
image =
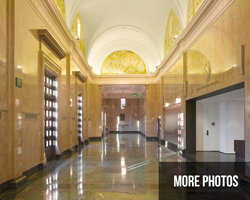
(49, 41)
(51, 65)
(79, 76)
(49, 14)
(207, 14)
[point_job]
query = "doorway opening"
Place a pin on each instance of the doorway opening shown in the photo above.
(50, 115)
(215, 123)
(124, 108)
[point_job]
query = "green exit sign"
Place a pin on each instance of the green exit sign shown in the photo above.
(19, 82)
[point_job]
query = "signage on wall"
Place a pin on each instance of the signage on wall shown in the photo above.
(19, 82)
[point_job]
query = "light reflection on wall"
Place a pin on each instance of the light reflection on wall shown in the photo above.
(180, 130)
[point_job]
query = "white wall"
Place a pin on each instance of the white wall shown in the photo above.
(235, 123)
(229, 125)
(223, 126)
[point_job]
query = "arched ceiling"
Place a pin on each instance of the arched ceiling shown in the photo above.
(133, 25)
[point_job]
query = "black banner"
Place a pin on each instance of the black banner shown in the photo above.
(202, 180)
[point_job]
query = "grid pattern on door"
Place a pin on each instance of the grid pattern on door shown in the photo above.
(50, 114)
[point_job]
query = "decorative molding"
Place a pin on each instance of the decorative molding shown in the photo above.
(49, 41)
(51, 65)
(207, 14)
(79, 75)
(49, 14)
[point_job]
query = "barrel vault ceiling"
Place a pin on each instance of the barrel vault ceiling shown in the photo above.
(135, 25)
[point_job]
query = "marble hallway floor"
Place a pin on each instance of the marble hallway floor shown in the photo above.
(124, 166)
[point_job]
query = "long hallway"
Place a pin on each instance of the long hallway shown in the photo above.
(124, 166)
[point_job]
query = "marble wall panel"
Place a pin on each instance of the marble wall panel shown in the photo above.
(62, 117)
(151, 110)
(31, 140)
(4, 155)
(220, 44)
(95, 110)
(27, 140)
(27, 98)
(134, 111)
(3, 30)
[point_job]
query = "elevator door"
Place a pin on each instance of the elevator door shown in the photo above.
(49, 115)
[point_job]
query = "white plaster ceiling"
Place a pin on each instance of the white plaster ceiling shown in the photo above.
(236, 95)
(127, 91)
(135, 25)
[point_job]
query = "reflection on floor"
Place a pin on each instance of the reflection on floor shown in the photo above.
(123, 167)
(213, 157)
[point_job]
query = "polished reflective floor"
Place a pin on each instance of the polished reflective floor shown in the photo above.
(124, 166)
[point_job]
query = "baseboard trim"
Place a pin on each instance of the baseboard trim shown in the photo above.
(66, 152)
(171, 146)
(20, 181)
(127, 132)
(86, 142)
(152, 139)
(4, 186)
(33, 170)
(95, 139)
(218, 152)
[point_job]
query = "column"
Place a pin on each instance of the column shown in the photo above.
(68, 99)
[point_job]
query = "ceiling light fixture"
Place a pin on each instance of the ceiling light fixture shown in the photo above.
(175, 37)
(234, 65)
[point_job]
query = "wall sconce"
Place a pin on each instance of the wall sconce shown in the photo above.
(178, 100)
(166, 105)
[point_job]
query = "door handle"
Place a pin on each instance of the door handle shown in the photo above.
(207, 132)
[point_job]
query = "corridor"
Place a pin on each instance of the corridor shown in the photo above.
(124, 166)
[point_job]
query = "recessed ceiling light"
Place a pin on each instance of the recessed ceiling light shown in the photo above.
(234, 65)
(19, 67)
